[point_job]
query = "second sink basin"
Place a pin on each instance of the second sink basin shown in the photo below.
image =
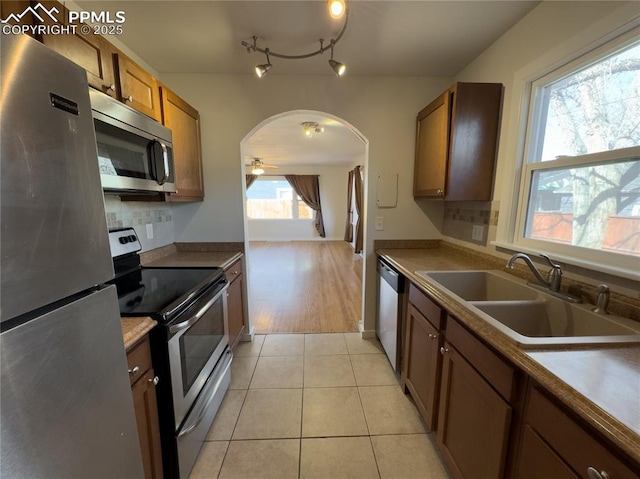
(551, 321)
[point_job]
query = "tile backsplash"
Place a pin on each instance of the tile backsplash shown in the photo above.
(464, 218)
(139, 214)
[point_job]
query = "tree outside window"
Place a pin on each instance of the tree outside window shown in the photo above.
(583, 170)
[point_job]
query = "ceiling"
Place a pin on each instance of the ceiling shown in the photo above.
(283, 142)
(400, 38)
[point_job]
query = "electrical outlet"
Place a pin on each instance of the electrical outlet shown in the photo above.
(149, 231)
(478, 233)
(379, 223)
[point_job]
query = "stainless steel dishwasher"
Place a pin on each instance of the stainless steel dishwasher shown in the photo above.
(390, 295)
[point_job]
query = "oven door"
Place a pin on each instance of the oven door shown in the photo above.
(197, 340)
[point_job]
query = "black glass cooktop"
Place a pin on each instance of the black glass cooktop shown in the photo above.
(158, 291)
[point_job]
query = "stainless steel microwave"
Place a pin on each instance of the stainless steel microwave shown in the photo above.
(135, 153)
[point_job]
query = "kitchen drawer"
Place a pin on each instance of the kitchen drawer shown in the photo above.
(571, 441)
(233, 271)
(499, 373)
(428, 308)
(139, 357)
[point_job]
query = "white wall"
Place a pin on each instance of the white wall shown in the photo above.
(383, 109)
(333, 198)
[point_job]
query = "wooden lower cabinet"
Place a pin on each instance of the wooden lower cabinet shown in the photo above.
(474, 421)
(143, 389)
(554, 442)
(422, 363)
(235, 302)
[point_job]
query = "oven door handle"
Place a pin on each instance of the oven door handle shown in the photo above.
(214, 389)
(193, 319)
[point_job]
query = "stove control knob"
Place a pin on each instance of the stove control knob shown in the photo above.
(132, 238)
(123, 240)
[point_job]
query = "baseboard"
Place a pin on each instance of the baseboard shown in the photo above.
(369, 334)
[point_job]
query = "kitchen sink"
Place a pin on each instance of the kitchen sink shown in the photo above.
(481, 285)
(532, 318)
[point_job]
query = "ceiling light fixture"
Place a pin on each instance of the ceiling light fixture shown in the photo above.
(261, 70)
(257, 167)
(311, 127)
(338, 68)
(336, 8)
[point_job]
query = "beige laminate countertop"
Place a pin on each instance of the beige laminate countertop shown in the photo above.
(134, 329)
(222, 259)
(602, 385)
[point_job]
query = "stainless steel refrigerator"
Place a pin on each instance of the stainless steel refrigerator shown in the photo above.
(66, 409)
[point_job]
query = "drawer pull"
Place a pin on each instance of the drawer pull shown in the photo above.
(236, 272)
(134, 370)
(443, 350)
(155, 380)
(594, 474)
(433, 336)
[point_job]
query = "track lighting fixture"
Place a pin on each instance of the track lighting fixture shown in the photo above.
(311, 127)
(338, 68)
(261, 70)
(336, 8)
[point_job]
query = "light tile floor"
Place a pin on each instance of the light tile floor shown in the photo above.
(324, 406)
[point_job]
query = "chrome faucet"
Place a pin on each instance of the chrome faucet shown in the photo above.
(554, 276)
(602, 300)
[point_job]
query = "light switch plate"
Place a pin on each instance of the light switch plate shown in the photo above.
(379, 223)
(149, 230)
(478, 233)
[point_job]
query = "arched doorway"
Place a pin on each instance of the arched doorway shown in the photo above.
(290, 267)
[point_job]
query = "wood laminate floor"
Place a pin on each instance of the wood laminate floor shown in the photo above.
(304, 287)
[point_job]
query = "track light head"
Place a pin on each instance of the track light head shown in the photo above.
(336, 8)
(338, 68)
(261, 70)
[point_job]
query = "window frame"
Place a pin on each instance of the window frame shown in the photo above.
(295, 202)
(534, 118)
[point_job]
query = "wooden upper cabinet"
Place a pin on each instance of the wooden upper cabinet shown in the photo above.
(138, 88)
(456, 143)
(92, 52)
(184, 122)
(432, 147)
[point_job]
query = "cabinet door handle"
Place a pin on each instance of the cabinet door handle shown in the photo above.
(594, 474)
(433, 336)
(443, 350)
(134, 370)
(155, 380)
(128, 99)
(111, 87)
(236, 272)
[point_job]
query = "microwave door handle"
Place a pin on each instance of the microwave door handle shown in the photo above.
(165, 159)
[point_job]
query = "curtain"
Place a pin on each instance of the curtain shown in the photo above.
(308, 188)
(250, 179)
(358, 187)
(348, 232)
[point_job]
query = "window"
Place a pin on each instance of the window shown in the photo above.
(580, 193)
(273, 197)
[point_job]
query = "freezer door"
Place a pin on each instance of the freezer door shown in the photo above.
(54, 239)
(65, 398)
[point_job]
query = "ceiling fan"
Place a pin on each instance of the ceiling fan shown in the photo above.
(257, 166)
